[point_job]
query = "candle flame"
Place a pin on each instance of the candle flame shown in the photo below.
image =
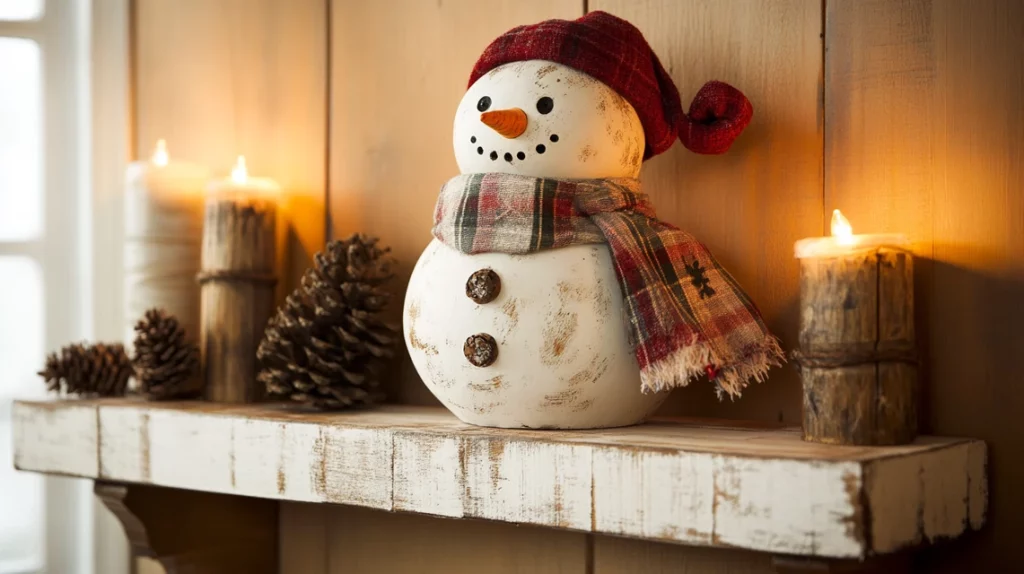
(239, 173)
(841, 228)
(160, 156)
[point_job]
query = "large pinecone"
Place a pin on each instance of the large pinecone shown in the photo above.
(164, 361)
(100, 370)
(326, 345)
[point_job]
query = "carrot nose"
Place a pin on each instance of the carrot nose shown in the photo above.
(510, 123)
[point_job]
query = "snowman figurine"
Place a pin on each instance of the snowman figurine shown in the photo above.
(543, 301)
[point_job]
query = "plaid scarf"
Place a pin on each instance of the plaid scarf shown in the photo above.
(687, 314)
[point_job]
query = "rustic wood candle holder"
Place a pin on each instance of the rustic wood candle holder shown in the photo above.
(857, 351)
(237, 294)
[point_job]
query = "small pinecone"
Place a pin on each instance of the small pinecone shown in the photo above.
(100, 370)
(164, 361)
(327, 344)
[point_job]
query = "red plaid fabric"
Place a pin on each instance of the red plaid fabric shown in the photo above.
(616, 53)
(688, 315)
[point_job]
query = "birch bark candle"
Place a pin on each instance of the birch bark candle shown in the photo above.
(857, 351)
(237, 282)
(163, 230)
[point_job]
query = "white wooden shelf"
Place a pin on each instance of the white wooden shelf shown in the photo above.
(682, 481)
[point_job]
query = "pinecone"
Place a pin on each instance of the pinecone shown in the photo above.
(164, 361)
(84, 370)
(326, 345)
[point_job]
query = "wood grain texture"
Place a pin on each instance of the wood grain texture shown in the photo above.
(686, 482)
(219, 79)
(925, 135)
(857, 352)
(237, 294)
(370, 541)
(749, 205)
(398, 71)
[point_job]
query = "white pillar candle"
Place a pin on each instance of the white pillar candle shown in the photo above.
(238, 276)
(163, 230)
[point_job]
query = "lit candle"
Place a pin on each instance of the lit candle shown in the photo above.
(163, 230)
(857, 352)
(237, 280)
(843, 241)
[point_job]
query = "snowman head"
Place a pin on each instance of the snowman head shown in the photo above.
(545, 119)
(584, 98)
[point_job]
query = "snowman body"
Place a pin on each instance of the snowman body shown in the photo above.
(557, 322)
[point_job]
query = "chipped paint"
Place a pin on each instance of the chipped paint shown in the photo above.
(545, 71)
(586, 153)
(855, 521)
(510, 309)
(414, 341)
(562, 335)
(482, 409)
(561, 398)
(144, 463)
(320, 470)
(490, 385)
(754, 488)
(581, 406)
(282, 480)
(558, 333)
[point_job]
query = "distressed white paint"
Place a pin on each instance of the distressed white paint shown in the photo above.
(356, 466)
(428, 471)
(299, 462)
(515, 481)
(564, 356)
(661, 495)
(127, 431)
(916, 499)
(671, 481)
(66, 437)
(777, 505)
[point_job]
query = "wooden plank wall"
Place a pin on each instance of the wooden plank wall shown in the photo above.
(910, 121)
(228, 77)
(924, 132)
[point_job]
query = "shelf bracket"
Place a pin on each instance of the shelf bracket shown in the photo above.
(191, 532)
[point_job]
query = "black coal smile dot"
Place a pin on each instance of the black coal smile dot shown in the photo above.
(508, 156)
(554, 137)
(472, 139)
(521, 156)
(494, 155)
(480, 150)
(541, 148)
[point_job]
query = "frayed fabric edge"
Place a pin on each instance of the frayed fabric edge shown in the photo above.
(688, 363)
(677, 369)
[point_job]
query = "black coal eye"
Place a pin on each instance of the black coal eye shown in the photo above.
(484, 104)
(545, 105)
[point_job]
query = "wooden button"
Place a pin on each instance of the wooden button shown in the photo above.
(483, 286)
(481, 349)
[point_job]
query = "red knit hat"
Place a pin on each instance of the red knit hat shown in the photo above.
(616, 53)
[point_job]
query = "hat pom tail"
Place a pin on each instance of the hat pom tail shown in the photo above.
(718, 114)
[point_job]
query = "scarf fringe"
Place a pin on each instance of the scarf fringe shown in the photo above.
(689, 362)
